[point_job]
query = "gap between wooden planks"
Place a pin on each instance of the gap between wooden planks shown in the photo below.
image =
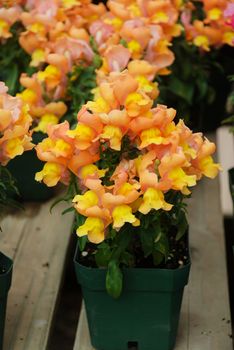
(205, 317)
(37, 241)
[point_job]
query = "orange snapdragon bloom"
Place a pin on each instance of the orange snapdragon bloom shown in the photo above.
(14, 126)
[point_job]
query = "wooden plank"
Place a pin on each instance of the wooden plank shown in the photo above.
(37, 241)
(225, 151)
(205, 316)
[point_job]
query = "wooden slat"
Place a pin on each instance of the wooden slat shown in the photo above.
(205, 316)
(225, 150)
(37, 241)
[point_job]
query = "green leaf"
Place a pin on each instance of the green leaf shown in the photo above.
(182, 225)
(149, 235)
(211, 95)
(181, 89)
(68, 210)
(12, 79)
(161, 246)
(202, 86)
(114, 279)
(82, 243)
(123, 238)
(157, 258)
(103, 255)
(127, 259)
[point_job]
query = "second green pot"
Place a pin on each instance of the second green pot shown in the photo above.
(23, 168)
(6, 266)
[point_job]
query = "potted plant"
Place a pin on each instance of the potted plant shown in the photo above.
(130, 169)
(6, 266)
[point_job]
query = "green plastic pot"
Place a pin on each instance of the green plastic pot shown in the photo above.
(146, 314)
(6, 266)
(23, 168)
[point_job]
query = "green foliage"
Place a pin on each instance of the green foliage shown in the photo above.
(13, 60)
(72, 190)
(196, 83)
(81, 82)
(103, 255)
(8, 190)
(110, 159)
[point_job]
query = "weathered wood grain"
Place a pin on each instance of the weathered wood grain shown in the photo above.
(37, 241)
(205, 316)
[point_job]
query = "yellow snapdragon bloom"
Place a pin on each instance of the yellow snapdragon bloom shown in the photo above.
(180, 179)
(135, 48)
(51, 75)
(114, 135)
(208, 167)
(70, 3)
(202, 41)
(38, 56)
(160, 17)
(83, 135)
(214, 14)
(122, 214)
(50, 174)
(98, 106)
(137, 104)
(93, 228)
(92, 169)
(153, 199)
(14, 147)
(28, 95)
(87, 200)
(151, 136)
(4, 29)
(37, 28)
(116, 22)
(45, 120)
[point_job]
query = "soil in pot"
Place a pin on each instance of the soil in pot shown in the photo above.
(178, 256)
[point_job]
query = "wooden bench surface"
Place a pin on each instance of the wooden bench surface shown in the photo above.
(37, 241)
(205, 318)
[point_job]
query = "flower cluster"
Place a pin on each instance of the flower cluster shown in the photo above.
(57, 39)
(137, 30)
(15, 122)
(216, 27)
(149, 155)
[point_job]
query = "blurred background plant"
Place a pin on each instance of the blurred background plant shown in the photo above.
(14, 60)
(198, 86)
